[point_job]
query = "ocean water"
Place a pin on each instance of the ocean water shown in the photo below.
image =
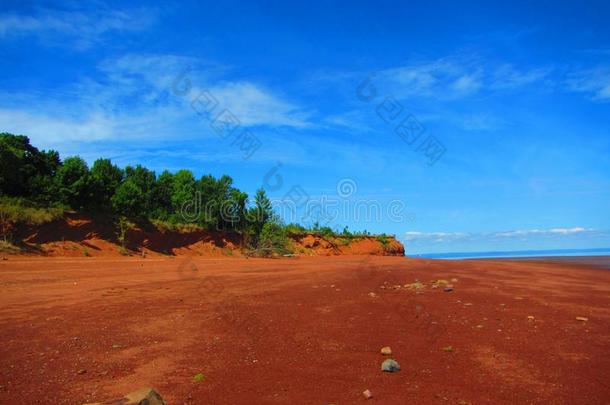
(517, 253)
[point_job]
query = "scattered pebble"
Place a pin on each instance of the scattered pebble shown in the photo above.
(448, 289)
(530, 317)
(386, 350)
(582, 318)
(81, 371)
(448, 349)
(372, 295)
(390, 366)
(367, 394)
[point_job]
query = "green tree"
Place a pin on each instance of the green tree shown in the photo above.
(272, 239)
(105, 179)
(183, 192)
(129, 200)
(142, 181)
(74, 183)
(123, 225)
(163, 196)
(26, 171)
(260, 214)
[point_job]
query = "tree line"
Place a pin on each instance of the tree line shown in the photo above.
(37, 185)
(41, 178)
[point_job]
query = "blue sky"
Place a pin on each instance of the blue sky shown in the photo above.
(516, 96)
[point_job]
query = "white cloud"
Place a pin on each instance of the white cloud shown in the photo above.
(50, 129)
(82, 28)
(435, 236)
(542, 232)
(456, 77)
(593, 82)
(440, 237)
(253, 104)
(132, 98)
(506, 76)
(466, 84)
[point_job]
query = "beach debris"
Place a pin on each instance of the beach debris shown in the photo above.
(81, 371)
(198, 377)
(530, 317)
(386, 350)
(448, 349)
(448, 289)
(415, 286)
(372, 294)
(582, 318)
(440, 282)
(367, 394)
(390, 366)
(479, 326)
(454, 280)
(146, 396)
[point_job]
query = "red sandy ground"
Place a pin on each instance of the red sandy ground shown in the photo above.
(302, 331)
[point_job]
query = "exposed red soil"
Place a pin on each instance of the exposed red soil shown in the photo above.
(302, 330)
(77, 235)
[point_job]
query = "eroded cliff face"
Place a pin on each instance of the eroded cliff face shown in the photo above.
(78, 235)
(368, 245)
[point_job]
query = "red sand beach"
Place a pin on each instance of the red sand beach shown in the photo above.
(304, 330)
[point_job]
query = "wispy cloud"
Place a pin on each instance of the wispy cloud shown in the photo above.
(506, 76)
(595, 83)
(131, 98)
(456, 77)
(542, 232)
(80, 28)
(440, 237)
(435, 236)
(254, 104)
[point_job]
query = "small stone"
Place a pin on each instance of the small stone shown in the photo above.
(454, 280)
(386, 350)
(582, 318)
(372, 295)
(81, 371)
(367, 394)
(448, 289)
(390, 366)
(530, 317)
